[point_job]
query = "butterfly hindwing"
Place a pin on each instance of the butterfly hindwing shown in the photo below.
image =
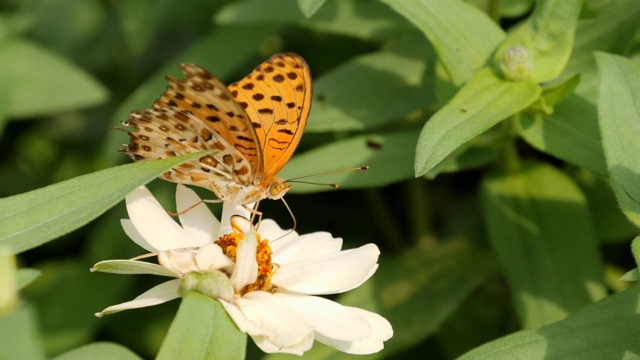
(208, 99)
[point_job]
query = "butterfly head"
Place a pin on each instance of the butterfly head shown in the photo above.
(277, 189)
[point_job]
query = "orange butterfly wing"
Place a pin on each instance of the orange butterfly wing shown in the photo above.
(277, 98)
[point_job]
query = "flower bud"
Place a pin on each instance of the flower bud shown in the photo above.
(213, 284)
(516, 63)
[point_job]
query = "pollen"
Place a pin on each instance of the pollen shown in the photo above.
(229, 245)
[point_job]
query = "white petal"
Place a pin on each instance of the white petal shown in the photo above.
(382, 331)
(229, 209)
(244, 323)
(154, 224)
(246, 269)
(157, 295)
(198, 221)
(179, 262)
(210, 257)
(308, 246)
(327, 317)
(277, 325)
(134, 235)
(131, 267)
(297, 349)
(269, 229)
(258, 332)
(330, 274)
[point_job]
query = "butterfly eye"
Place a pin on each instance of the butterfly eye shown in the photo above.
(278, 188)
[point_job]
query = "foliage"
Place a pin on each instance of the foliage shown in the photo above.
(501, 138)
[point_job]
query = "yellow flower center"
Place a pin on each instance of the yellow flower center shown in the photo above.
(229, 245)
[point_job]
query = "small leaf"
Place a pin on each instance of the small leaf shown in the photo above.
(540, 227)
(202, 329)
(309, 7)
(26, 276)
(548, 37)
(463, 49)
(482, 103)
(606, 330)
(99, 351)
(619, 118)
(42, 215)
(42, 83)
(389, 157)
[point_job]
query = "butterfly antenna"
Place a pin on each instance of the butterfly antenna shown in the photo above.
(328, 173)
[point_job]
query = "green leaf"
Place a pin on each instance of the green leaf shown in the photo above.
(382, 87)
(202, 329)
(548, 37)
(571, 133)
(540, 227)
(41, 82)
(42, 215)
(606, 330)
(619, 118)
(99, 351)
(309, 7)
(608, 32)
(482, 103)
(368, 20)
(446, 23)
(19, 337)
(26, 276)
(388, 155)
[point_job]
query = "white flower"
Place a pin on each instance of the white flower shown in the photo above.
(271, 282)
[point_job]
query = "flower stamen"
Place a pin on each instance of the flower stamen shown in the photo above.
(229, 244)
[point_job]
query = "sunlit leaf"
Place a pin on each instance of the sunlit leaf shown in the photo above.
(202, 329)
(462, 48)
(483, 102)
(42, 215)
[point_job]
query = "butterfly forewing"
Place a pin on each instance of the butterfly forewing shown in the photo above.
(277, 98)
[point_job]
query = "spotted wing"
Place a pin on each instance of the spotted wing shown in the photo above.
(277, 98)
(170, 131)
(208, 100)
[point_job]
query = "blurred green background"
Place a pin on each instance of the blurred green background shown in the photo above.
(72, 69)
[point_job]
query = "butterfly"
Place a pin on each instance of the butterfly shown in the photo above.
(254, 125)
